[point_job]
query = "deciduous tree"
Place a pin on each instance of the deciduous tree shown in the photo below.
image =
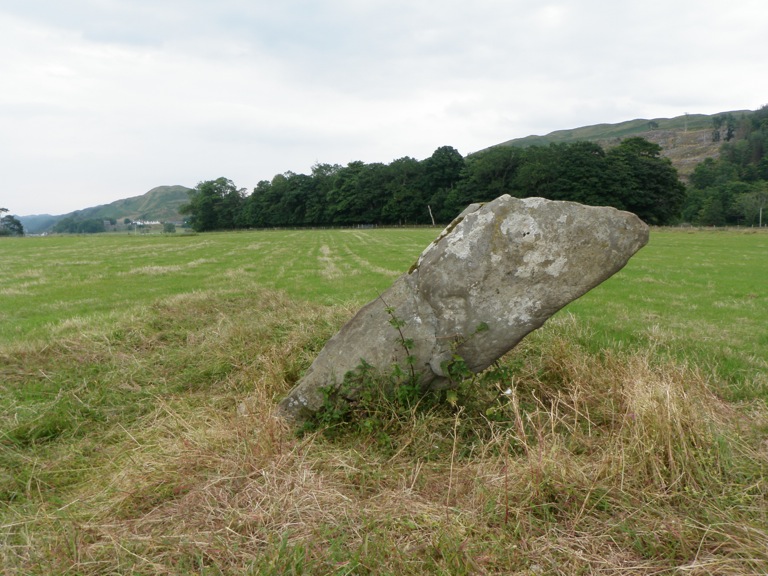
(214, 205)
(10, 225)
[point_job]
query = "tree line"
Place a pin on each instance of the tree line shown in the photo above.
(631, 176)
(732, 189)
(79, 225)
(729, 190)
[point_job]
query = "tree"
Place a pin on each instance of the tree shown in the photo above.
(10, 225)
(711, 173)
(712, 213)
(537, 172)
(214, 205)
(489, 174)
(442, 171)
(91, 226)
(443, 168)
(323, 178)
(406, 202)
(753, 204)
(73, 225)
(581, 175)
(646, 183)
(357, 194)
(717, 123)
(730, 127)
(258, 206)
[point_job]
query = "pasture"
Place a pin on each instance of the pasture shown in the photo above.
(138, 375)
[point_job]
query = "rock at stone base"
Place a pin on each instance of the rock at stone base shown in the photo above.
(496, 273)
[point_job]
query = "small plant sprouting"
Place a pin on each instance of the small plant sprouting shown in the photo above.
(407, 343)
(456, 368)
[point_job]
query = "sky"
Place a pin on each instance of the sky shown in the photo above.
(106, 99)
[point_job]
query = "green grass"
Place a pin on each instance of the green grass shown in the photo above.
(51, 282)
(699, 296)
(139, 375)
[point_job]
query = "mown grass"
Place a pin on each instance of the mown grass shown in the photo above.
(697, 296)
(52, 281)
(140, 376)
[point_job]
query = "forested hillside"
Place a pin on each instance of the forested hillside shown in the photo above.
(686, 140)
(723, 158)
(631, 176)
(732, 189)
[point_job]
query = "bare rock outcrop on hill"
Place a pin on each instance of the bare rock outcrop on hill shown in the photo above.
(685, 149)
(499, 271)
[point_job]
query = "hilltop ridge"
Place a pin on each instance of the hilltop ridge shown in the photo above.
(159, 204)
(686, 140)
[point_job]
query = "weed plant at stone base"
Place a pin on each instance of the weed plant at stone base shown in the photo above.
(383, 405)
(369, 401)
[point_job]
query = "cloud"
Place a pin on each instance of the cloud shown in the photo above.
(105, 99)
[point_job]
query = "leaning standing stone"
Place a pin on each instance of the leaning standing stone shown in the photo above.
(496, 273)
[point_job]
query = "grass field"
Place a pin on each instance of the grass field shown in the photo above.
(55, 280)
(138, 375)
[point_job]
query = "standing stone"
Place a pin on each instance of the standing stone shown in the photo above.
(496, 273)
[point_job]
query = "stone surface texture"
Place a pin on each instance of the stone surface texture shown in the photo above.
(504, 267)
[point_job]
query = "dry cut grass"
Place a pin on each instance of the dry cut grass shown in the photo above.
(557, 461)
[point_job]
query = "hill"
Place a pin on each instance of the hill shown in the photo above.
(160, 204)
(686, 140)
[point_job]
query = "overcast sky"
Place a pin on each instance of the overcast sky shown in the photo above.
(106, 99)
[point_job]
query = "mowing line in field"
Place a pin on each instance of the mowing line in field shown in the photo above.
(366, 264)
(329, 269)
